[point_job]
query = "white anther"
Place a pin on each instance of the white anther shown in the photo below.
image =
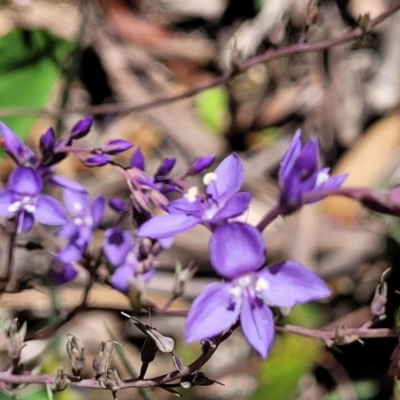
(191, 194)
(236, 291)
(209, 177)
(261, 285)
(322, 177)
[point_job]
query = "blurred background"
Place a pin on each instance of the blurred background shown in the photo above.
(63, 60)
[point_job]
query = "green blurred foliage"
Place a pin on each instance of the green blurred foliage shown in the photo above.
(365, 390)
(291, 357)
(30, 64)
(212, 108)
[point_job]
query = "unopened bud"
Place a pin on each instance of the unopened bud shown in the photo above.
(200, 164)
(81, 128)
(182, 276)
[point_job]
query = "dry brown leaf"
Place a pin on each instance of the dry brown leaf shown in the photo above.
(367, 163)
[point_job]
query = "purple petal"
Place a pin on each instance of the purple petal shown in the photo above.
(200, 164)
(25, 221)
(166, 243)
(234, 207)
(77, 203)
(67, 183)
(290, 283)
(12, 143)
(61, 272)
(229, 179)
(116, 146)
(25, 181)
(333, 182)
(70, 253)
(117, 243)
(137, 160)
(68, 230)
(184, 206)
(81, 128)
(307, 162)
(258, 325)
(121, 278)
(49, 211)
(98, 206)
(236, 249)
(167, 226)
(290, 156)
(212, 312)
(7, 197)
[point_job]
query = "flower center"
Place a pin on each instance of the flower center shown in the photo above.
(255, 286)
(26, 203)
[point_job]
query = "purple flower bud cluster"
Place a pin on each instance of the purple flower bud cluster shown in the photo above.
(249, 289)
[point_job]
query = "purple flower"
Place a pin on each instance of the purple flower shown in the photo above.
(300, 176)
(220, 203)
(85, 217)
(23, 201)
(238, 253)
(62, 269)
(122, 252)
(24, 156)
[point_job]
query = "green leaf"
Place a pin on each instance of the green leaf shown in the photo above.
(212, 106)
(29, 67)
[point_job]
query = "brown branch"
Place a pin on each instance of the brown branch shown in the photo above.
(332, 334)
(269, 55)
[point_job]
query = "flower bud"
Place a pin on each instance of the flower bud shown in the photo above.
(115, 146)
(200, 164)
(166, 166)
(137, 160)
(81, 128)
(47, 143)
(96, 160)
(117, 204)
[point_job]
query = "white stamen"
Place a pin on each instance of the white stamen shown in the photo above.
(209, 177)
(322, 177)
(191, 194)
(78, 221)
(14, 207)
(236, 291)
(261, 285)
(245, 281)
(30, 208)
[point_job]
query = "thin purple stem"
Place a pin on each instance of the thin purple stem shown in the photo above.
(271, 215)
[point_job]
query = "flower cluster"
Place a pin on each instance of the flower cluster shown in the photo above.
(250, 288)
